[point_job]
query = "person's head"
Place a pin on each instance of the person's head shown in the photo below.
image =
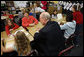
(22, 43)
(74, 8)
(44, 17)
(9, 22)
(7, 13)
(54, 12)
(38, 3)
(69, 18)
(26, 14)
(35, 5)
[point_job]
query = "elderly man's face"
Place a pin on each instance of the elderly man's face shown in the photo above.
(42, 20)
(43, 17)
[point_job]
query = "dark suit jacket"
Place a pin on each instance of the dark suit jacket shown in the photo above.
(49, 41)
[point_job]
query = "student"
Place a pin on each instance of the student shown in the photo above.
(37, 9)
(22, 45)
(28, 20)
(69, 27)
(44, 5)
(54, 15)
(78, 17)
(10, 25)
(9, 15)
(20, 16)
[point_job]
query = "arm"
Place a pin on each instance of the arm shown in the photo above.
(41, 10)
(74, 17)
(35, 20)
(63, 27)
(6, 50)
(7, 30)
(16, 26)
(38, 37)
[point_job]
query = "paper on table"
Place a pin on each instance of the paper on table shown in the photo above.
(59, 16)
(10, 43)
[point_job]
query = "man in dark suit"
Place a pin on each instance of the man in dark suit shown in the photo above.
(49, 40)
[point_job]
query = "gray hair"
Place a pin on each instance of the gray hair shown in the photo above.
(45, 15)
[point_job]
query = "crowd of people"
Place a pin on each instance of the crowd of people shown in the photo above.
(49, 40)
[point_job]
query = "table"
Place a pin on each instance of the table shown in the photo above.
(10, 39)
(32, 30)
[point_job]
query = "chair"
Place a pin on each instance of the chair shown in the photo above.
(64, 52)
(70, 40)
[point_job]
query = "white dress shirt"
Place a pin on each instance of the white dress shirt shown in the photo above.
(39, 9)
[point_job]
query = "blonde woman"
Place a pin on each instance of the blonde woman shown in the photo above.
(22, 45)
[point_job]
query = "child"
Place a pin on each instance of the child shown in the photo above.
(22, 44)
(20, 16)
(54, 15)
(37, 10)
(10, 25)
(9, 15)
(78, 17)
(44, 5)
(28, 20)
(69, 27)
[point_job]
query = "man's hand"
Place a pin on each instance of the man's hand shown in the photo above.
(37, 29)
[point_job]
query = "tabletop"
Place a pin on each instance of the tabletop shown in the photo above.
(10, 39)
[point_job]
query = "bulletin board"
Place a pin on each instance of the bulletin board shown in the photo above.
(54, 2)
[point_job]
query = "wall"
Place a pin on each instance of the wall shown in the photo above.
(20, 4)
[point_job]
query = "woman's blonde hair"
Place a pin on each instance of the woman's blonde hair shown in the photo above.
(22, 43)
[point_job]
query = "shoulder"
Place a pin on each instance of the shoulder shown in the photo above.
(50, 26)
(77, 12)
(23, 18)
(31, 17)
